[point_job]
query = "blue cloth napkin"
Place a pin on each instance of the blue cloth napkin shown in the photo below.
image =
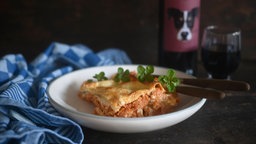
(26, 116)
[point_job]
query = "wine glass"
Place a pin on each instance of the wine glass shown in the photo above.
(221, 51)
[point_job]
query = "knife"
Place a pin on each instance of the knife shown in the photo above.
(210, 88)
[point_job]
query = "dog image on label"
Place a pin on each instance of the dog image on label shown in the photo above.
(183, 22)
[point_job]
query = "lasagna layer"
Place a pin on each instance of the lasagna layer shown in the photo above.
(128, 99)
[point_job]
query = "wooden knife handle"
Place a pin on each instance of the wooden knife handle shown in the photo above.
(217, 84)
(200, 92)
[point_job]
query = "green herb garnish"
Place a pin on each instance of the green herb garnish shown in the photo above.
(100, 77)
(122, 75)
(145, 74)
(170, 80)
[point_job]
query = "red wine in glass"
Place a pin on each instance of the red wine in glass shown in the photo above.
(221, 51)
(221, 60)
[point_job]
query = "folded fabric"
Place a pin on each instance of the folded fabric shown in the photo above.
(26, 116)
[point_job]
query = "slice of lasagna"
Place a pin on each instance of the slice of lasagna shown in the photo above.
(128, 99)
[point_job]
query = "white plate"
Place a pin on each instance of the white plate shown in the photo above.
(63, 96)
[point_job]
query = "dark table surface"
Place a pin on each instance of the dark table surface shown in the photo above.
(228, 121)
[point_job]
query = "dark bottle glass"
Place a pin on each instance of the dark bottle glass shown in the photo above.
(179, 34)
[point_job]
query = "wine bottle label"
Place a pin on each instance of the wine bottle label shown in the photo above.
(181, 25)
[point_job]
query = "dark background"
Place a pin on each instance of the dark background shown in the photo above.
(29, 26)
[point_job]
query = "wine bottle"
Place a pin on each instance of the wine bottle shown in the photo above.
(179, 34)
